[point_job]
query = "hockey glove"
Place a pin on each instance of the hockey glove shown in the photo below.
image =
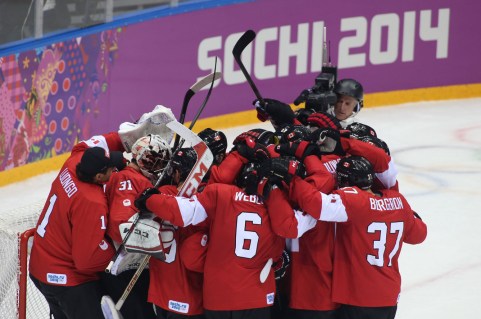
(329, 141)
(280, 266)
(141, 201)
(259, 135)
(280, 170)
(323, 120)
(264, 188)
(298, 149)
(252, 151)
(303, 114)
(279, 112)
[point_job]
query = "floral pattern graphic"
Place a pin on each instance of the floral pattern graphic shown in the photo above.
(48, 96)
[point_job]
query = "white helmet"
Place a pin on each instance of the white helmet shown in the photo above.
(151, 153)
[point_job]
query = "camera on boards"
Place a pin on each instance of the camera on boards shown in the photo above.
(321, 96)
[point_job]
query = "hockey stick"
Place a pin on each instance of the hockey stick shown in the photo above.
(196, 87)
(239, 47)
(211, 78)
(205, 158)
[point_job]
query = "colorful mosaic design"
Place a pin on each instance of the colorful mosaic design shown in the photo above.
(48, 96)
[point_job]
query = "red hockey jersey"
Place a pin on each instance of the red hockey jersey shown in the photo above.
(240, 243)
(69, 244)
(368, 240)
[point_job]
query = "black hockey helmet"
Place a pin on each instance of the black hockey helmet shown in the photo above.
(354, 171)
(249, 177)
(376, 141)
(293, 133)
(183, 160)
(359, 130)
(216, 141)
(352, 88)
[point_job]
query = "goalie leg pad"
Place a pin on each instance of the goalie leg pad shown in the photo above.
(148, 237)
(149, 123)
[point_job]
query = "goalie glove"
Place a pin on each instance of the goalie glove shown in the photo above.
(153, 122)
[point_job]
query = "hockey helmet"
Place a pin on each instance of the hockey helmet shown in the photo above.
(151, 153)
(354, 171)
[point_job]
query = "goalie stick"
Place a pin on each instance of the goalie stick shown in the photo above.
(239, 47)
(205, 158)
(211, 78)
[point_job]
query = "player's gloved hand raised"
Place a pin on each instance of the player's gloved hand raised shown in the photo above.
(280, 170)
(258, 135)
(252, 151)
(140, 201)
(303, 114)
(298, 149)
(329, 141)
(280, 265)
(277, 111)
(264, 188)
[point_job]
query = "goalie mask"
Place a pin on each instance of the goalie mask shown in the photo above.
(354, 171)
(151, 153)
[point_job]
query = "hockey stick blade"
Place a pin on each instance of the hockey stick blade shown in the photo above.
(196, 87)
(265, 271)
(201, 108)
(243, 42)
(108, 308)
(239, 47)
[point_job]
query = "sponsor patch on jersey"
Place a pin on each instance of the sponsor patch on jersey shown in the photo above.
(59, 279)
(127, 202)
(203, 241)
(270, 298)
(178, 306)
(103, 245)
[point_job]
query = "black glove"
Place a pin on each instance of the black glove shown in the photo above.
(323, 120)
(298, 149)
(329, 141)
(281, 265)
(280, 170)
(252, 151)
(140, 201)
(264, 188)
(303, 114)
(279, 112)
(259, 135)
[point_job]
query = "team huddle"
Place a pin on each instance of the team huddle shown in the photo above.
(301, 221)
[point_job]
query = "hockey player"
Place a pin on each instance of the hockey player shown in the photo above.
(372, 225)
(176, 291)
(150, 155)
(70, 246)
(240, 243)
